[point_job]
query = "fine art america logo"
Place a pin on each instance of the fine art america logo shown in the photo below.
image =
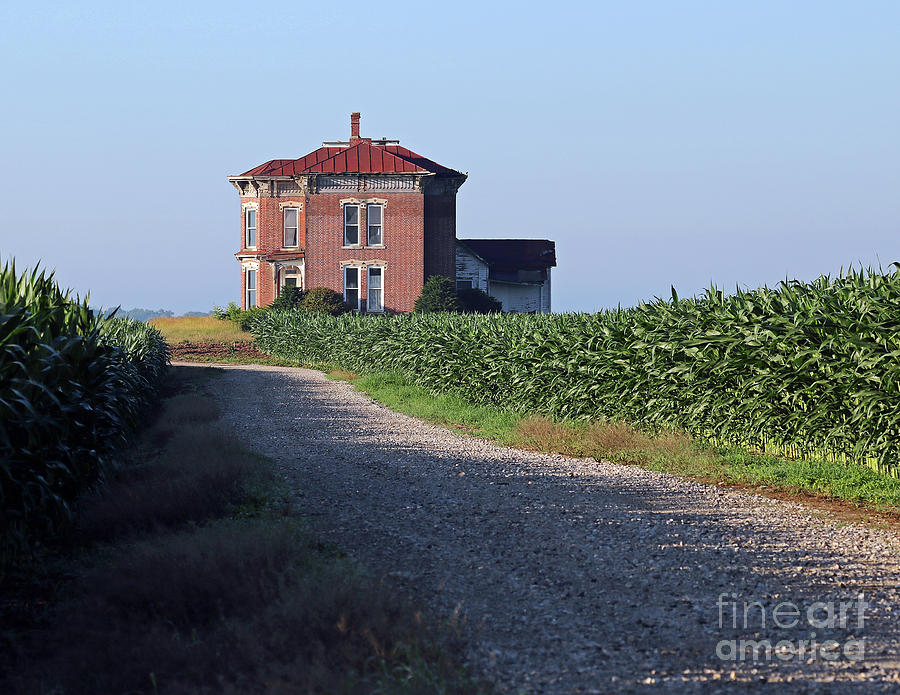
(818, 630)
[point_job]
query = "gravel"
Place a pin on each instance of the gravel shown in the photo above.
(576, 575)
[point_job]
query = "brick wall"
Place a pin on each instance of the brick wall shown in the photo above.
(402, 249)
(440, 235)
(419, 240)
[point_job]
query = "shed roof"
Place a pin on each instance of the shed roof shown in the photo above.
(518, 254)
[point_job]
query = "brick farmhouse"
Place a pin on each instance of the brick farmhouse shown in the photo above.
(372, 220)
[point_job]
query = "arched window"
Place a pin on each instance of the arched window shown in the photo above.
(290, 276)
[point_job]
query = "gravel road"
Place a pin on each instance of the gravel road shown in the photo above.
(576, 575)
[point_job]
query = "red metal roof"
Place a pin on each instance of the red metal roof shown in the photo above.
(362, 157)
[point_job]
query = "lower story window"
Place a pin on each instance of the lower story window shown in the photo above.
(463, 285)
(375, 288)
(251, 288)
(351, 286)
(290, 276)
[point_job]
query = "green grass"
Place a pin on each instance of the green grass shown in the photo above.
(669, 452)
(189, 572)
(199, 329)
(444, 409)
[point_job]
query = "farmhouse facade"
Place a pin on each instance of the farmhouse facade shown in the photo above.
(366, 217)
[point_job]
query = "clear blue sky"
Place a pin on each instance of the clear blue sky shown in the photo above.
(658, 143)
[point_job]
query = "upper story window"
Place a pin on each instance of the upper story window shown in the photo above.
(351, 286)
(291, 226)
(374, 217)
(351, 225)
(250, 229)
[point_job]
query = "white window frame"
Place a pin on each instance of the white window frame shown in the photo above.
(358, 288)
(369, 270)
(284, 228)
(468, 280)
(284, 275)
(380, 226)
(346, 226)
(247, 227)
(248, 289)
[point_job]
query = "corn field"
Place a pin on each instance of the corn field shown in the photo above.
(73, 384)
(804, 369)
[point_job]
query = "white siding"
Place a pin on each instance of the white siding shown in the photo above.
(470, 267)
(545, 294)
(518, 297)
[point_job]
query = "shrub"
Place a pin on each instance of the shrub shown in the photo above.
(324, 300)
(229, 313)
(240, 317)
(475, 301)
(290, 298)
(438, 294)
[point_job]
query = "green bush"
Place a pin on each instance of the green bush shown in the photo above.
(291, 297)
(475, 301)
(802, 369)
(229, 313)
(322, 300)
(242, 317)
(438, 294)
(73, 384)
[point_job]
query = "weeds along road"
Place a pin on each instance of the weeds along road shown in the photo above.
(575, 575)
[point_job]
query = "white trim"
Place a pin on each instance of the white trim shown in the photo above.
(363, 264)
(290, 204)
(364, 201)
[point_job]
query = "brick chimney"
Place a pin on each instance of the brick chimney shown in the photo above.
(354, 126)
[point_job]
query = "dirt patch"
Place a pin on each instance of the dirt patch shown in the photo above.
(207, 352)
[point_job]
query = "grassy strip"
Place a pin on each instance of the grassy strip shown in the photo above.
(191, 574)
(199, 329)
(853, 486)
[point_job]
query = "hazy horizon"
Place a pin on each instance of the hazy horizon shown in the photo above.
(657, 144)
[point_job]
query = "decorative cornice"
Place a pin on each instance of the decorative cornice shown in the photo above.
(364, 201)
(363, 264)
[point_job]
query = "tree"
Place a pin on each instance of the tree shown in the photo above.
(325, 300)
(438, 294)
(475, 301)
